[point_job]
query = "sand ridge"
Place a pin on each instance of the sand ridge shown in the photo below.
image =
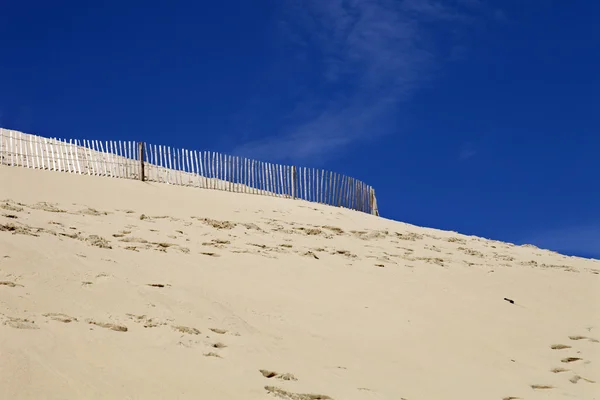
(123, 289)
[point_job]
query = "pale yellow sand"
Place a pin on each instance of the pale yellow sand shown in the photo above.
(324, 301)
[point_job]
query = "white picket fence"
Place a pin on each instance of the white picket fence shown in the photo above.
(203, 169)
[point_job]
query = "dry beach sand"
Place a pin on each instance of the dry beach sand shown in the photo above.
(118, 289)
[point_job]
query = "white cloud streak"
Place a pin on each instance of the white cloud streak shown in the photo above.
(583, 239)
(371, 55)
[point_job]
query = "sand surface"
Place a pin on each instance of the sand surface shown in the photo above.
(118, 289)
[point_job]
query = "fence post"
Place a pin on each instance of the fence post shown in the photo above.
(374, 209)
(141, 152)
(294, 181)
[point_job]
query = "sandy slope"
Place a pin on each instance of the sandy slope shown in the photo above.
(331, 302)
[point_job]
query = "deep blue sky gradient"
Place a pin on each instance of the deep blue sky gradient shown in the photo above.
(466, 115)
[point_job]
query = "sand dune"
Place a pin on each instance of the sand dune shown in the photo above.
(115, 289)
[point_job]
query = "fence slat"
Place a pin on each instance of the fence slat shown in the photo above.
(237, 176)
(64, 155)
(93, 155)
(26, 152)
(204, 163)
(202, 169)
(70, 157)
(73, 157)
(50, 154)
(176, 166)
(109, 158)
(15, 150)
(12, 151)
(35, 141)
(228, 173)
(311, 184)
(97, 165)
(264, 178)
(170, 164)
(275, 180)
(198, 166)
(44, 154)
(338, 190)
(233, 178)
(259, 177)
(30, 156)
(23, 152)
(61, 156)
(163, 164)
(193, 167)
(36, 148)
(106, 160)
(213, 171)
(126, 159)
(114, 158)
(210, 162)
(268, 181)
(31, 140)
(53, 153)
(38, 153)
(160, 164)
(102, 165)
(181, 155)
(252, 176)
(154, 161)
(77, 163)
(119, 158)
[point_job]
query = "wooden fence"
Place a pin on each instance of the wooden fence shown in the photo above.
(203, 169)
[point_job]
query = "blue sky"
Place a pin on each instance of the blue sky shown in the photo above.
(476, 116)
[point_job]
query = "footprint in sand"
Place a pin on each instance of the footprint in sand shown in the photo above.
(60, 317)
(20, 323)
(284, 394)
(187, 330)
(158, 285)
(146, 321)
(570, 359)
(108, 325)
(560, 346)
(578, 337)
(576, 378)
(541, 387)
(272, 374)
(9, 284)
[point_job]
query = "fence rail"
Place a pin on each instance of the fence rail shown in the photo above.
(203, 169)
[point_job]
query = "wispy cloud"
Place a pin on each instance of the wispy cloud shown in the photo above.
(581, 240)
(369, 56)
(467, 151)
